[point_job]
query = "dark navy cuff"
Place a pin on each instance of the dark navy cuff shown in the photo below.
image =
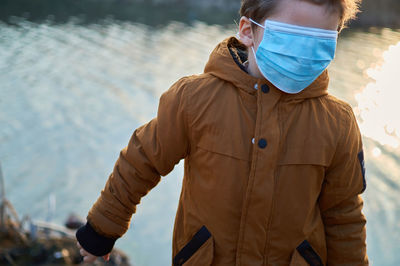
(94, 243)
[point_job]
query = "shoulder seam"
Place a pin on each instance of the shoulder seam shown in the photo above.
(341, 106)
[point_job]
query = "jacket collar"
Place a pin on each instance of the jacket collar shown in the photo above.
(222, 65)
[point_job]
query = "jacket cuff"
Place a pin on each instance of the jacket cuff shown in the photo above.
(93, 242)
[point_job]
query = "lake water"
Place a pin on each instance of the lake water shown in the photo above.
(71, 95)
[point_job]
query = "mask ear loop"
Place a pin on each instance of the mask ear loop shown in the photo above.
(254, 53)
(237, 36)
(252, 21)
(252, 47)
(258, 24)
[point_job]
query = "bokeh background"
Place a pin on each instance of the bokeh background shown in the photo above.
(77, 78)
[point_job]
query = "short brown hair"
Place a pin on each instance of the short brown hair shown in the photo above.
(261, 9)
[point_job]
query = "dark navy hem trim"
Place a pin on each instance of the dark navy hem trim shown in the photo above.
(194, 244)
(94, 243)
(308, 253)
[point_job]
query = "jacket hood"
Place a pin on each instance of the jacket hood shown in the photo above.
(225, 63)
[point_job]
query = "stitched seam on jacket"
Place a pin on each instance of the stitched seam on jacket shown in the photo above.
(190, 135)
(222, 154)
(186, 100)
(276, 174)
(249, 186)
(345, 123)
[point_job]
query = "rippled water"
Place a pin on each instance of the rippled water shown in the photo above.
(71, 95)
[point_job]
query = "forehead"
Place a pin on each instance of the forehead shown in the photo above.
(305, 13)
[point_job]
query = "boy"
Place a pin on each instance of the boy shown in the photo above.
(274, 165)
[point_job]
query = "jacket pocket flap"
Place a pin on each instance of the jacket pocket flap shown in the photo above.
(308, 254)
(198, 251)
(233, 147)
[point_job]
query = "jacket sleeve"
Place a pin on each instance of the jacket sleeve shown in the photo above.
(152, 152)
(340, 200)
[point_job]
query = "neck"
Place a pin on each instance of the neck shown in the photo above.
(252, 67)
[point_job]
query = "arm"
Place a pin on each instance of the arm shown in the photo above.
(153, 151)
(341, 203)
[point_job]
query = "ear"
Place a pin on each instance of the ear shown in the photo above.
(245, 32)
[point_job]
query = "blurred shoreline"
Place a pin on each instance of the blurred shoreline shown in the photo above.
(383, 13)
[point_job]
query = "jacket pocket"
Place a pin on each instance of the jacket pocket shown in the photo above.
(305, 255)
(228, 144)
(198, 251)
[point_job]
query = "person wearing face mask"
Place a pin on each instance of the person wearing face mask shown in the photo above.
(274, 164)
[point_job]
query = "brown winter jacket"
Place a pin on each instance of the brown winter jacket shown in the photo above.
(270, 178)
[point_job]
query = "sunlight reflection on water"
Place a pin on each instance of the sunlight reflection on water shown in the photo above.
(378, 104)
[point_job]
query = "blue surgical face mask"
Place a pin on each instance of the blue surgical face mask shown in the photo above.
(291, 57)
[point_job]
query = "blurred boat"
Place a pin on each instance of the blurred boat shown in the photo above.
(27, 242)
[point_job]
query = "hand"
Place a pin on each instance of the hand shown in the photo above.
(89, 258)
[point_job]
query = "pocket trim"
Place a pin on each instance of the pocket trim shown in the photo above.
(309, 254)
(190, 248)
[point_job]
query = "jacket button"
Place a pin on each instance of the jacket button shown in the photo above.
(262, 143)
(265, 88)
